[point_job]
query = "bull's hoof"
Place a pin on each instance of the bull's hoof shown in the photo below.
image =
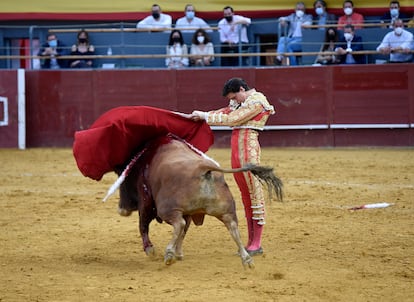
(124, 212)
(248, 262)
(150, 251)
(169, 258)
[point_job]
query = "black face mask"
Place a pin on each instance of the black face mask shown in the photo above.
(82, 40)
(229, 18)
(176, 40)
(155, 15)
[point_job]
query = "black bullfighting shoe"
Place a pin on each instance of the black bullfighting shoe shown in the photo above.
(259, 251)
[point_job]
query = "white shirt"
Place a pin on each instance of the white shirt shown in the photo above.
(176, 51)
(165, 21)
(405, 40)
(229, 32)
(207, 51)
(192, 23)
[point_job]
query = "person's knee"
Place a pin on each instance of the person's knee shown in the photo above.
(295, 47)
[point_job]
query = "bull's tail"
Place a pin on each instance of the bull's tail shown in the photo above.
(265, 174)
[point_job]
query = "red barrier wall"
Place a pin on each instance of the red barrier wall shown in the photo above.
(352, 105)
(8, 89)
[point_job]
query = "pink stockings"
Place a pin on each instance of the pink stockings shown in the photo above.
(254, 231)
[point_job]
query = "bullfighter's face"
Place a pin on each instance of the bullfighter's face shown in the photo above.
(239, 97)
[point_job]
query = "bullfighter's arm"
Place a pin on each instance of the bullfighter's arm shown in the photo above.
(231, 118)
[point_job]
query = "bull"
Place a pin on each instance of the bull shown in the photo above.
(173, 182)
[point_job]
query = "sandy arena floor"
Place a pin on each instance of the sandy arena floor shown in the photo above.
(59, 242)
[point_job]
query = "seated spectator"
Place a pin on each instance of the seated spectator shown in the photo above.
(293, 41)
(347, 45)
(189, 23)
(350, 16)
(329, 45)
(322, 17)
(82, 48)
(156, 21)
(232, 31)
(394, 13)
(176, 48)
(202, 50)
(397, 44)
(50, 51)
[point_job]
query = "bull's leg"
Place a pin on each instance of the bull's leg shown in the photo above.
(232, 226)
(145, 218)
(179, 255)
(170, 251)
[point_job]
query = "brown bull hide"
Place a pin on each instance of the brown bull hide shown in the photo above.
(173, 183)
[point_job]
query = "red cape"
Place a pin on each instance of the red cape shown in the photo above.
(119, 133)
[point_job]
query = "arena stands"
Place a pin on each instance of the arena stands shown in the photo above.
(132, 49)
(24, 24)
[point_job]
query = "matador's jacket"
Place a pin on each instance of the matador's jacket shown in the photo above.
(246, 119)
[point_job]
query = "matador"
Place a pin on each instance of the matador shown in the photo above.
(247, 114)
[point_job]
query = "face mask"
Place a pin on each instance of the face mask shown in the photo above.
(52, 43)
(319, 11)
(229, 18)
(155, 15)
(331, 36)
(348, 36)
(189, 15)
(394, 12)
(82, 40)
(299, 13)
(176, 39)
(348, 11)
(398, 30)
(200, 39)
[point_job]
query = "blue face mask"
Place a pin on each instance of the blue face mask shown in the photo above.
(394, 12)
(319, 11)
(189, 15)
(52, 43)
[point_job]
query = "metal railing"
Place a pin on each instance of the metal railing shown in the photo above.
(8, 52)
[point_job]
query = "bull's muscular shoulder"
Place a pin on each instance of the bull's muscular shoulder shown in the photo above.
(179, 157)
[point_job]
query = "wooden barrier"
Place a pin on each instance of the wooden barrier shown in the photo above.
(316, 106)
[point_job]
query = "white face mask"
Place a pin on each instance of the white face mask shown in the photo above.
(348, 11)
(319, 11)
(394, 12)
(200, 39)
(398, 30)
(299, 13)
(348, 36)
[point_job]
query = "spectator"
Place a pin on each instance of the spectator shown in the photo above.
(293, 41)
(329, 45)
(50, 51)
(157, 20)
(202, 50)
(322, 17)
(348, 44)
(394, 13)
(350, 16)
(177, 49)
(231, 27)
(398, 43)
(189, 23)
(82, 48)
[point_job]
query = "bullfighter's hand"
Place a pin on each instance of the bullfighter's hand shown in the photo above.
(198, 115)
